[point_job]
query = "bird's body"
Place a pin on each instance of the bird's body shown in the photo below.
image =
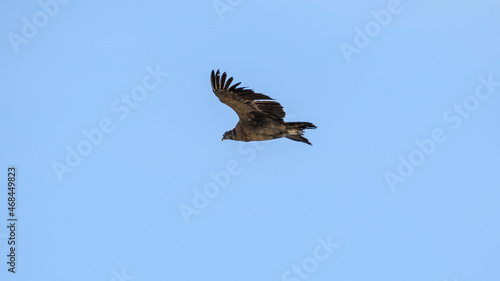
(252, 130)
(260, 117)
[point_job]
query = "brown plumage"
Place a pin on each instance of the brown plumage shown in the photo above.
(261, 118)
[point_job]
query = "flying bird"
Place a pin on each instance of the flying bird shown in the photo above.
(261, 118)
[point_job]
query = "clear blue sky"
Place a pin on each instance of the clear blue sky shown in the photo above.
(108, 116)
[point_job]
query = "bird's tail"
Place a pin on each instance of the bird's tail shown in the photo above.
(295, 130)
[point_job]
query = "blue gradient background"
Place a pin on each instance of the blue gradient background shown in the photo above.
(119, 208)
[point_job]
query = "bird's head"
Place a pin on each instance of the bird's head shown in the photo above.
(229, 135)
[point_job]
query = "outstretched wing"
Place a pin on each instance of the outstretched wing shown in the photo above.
(244, 101)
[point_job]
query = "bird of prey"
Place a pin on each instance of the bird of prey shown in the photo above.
(261, 118)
